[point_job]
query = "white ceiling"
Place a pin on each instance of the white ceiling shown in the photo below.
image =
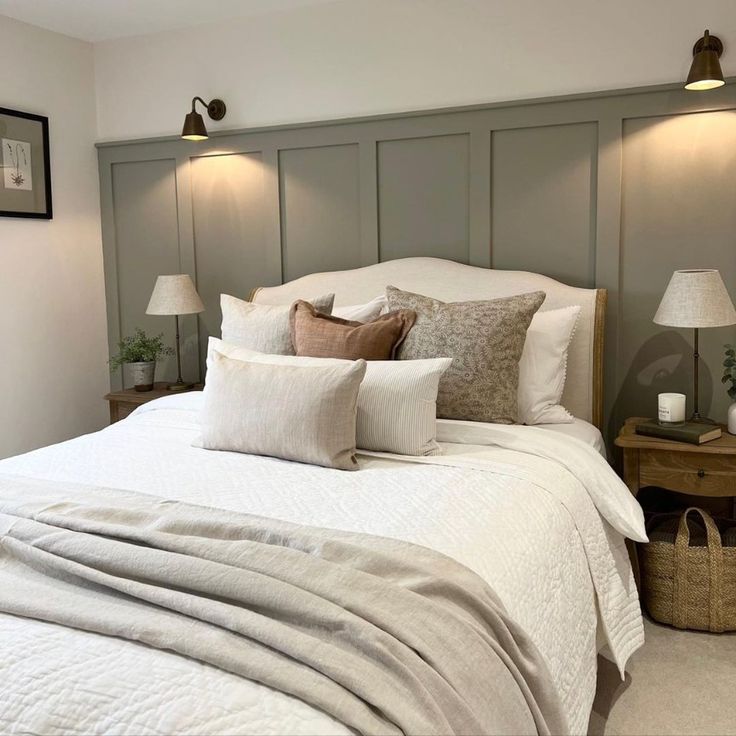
(99, 20)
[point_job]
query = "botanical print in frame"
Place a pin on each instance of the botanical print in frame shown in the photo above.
(25, 186)
(17, 165)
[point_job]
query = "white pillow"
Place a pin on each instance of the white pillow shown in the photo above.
(262, 327)
(302, 413)
(362, 312)
(543, 367)
(397, 400)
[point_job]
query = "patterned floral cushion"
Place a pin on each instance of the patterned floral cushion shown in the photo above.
(485, 339)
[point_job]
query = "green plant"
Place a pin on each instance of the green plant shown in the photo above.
(729, 370)
(139, 348)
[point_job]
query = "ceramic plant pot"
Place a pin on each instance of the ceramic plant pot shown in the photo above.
(732, 418)
(142, 375)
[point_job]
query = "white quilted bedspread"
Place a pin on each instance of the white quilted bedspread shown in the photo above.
(525, 523)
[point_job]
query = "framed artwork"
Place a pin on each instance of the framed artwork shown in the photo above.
(25, 186)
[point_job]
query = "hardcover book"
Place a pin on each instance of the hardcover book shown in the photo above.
(693, 432)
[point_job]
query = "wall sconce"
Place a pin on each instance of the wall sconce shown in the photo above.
(194, 128)
(705, 71)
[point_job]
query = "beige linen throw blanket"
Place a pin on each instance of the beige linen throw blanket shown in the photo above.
(386, 636)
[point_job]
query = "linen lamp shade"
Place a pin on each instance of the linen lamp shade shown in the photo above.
(696, 298)
(174, 295)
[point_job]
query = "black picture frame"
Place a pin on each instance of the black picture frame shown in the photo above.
(47, 213)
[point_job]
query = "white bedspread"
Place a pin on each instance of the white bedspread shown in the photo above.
(526, 523)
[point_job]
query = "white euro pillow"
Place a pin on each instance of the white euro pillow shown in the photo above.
(262, 327)
(397, 400)
(362, 312)
(543, 367)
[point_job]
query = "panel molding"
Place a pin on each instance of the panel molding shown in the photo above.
(428, 215)
(325, 179)
(543, 196)
(609, 111)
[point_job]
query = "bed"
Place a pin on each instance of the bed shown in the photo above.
(534, 511)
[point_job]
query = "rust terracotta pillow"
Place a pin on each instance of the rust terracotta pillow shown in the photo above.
(319, 335)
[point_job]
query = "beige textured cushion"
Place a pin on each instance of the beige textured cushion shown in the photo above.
(262, 327)
(397, 400)
(302, 413)
(485, 340)
(320, 335)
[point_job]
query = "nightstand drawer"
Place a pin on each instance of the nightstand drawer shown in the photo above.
(690, 472)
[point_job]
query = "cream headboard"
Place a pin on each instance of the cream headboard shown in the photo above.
(450, 281)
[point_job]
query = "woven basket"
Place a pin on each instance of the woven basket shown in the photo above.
(690, 586)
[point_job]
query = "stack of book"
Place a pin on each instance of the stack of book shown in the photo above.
(696, 433)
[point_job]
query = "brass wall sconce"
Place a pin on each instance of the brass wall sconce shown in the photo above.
(705, 71)
(194, 128)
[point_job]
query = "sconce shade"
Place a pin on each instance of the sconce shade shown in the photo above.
(174, 295)
(705, 71)
(194, 128)
(696, 298)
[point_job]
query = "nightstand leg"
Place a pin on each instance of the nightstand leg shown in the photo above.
(631, 470)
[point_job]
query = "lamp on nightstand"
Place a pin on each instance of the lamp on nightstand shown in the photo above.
(696, 298)
(175, 295)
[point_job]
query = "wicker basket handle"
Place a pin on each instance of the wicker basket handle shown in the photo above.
(715, 565)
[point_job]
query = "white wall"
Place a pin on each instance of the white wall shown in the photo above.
(53, 344)
(359, 57)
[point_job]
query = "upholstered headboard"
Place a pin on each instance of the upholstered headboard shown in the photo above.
(450, 281)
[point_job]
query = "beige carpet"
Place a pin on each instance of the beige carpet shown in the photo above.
(680, 682)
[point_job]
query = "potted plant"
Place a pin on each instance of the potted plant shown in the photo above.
(729, 376)
(140, 352)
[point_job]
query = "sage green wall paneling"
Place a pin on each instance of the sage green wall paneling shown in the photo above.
(423, 196)
(320, 209)
(678, 211)
(147, 244)
(614, 189)
(230, 243)
(543, 194)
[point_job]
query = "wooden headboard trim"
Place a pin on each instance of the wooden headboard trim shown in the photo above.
(599, 329)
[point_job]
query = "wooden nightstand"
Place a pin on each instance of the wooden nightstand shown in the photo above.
(126, 401)
(696, 470)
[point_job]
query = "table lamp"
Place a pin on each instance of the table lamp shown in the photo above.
(175, 295)
(696, 298)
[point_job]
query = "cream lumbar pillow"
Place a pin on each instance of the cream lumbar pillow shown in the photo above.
(397, 409)
(262, 327)
(302, 413)
(543, 367)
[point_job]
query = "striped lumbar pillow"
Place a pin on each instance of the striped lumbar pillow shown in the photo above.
(397, 400)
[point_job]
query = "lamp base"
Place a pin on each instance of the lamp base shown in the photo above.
(179, 386)
(697, 419)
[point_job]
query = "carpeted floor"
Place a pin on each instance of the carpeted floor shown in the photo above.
(680, 682)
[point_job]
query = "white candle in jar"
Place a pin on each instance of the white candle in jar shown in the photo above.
(671, 408)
